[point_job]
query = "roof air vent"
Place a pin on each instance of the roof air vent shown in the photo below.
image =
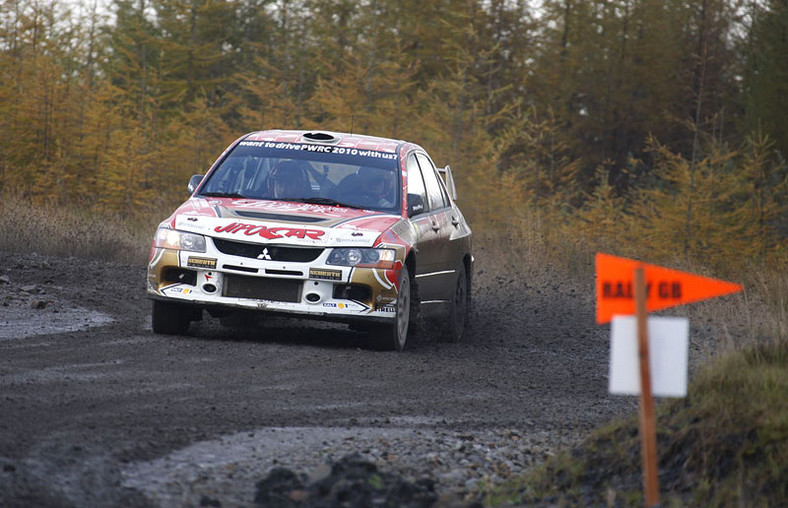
(321, 137)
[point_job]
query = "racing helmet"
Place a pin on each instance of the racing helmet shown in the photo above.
(374, 178)
(288, 180)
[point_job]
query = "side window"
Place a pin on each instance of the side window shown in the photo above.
(415, 181)
(434, 193)
(444, 191)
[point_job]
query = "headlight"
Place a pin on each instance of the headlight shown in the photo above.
(178, 240)
(363, 257)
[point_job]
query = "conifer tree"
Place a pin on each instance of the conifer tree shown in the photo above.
(766, 72)
(615, 71)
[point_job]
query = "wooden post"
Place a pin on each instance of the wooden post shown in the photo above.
(648, 427)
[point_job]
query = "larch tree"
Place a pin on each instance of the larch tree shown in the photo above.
(766, 72)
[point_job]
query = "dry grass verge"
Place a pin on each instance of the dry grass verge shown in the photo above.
(758, 315)
(75, 230)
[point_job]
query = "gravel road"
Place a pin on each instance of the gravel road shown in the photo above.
(96, 410)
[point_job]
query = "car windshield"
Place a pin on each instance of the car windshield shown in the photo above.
(310, 173)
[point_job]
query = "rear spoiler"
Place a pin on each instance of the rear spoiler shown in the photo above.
(448, 179)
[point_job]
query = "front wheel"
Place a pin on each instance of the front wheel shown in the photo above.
(170, 318)
(392, 337)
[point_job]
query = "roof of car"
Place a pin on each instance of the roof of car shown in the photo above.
(342, 139)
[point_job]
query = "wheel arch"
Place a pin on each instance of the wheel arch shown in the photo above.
(415, 298)
(410, 263)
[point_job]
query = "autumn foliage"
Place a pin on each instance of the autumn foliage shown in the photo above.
(625, 124)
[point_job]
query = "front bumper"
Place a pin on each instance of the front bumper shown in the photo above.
(314, 289)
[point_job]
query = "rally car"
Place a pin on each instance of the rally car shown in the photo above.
(340, 227)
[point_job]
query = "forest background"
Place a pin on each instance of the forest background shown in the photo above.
(627, 125)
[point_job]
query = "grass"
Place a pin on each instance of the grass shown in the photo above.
(75, 230)
(725, 444)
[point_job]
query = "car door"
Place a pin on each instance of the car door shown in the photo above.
(427, 244)
(436, 281)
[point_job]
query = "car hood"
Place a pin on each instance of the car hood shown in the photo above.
(284, 223)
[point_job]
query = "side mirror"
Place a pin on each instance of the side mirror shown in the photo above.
(448, 179)
(194, 182)
(415, 204)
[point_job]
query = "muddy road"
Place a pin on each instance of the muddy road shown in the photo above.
(96, 410)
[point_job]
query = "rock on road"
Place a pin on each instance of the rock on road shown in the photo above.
(96, 410)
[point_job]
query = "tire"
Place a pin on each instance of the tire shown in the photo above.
(394, 336)
(170, 318)
(459, 307)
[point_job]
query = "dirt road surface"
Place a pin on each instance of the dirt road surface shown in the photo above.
(96, 410)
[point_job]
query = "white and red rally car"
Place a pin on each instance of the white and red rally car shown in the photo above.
(341, 227)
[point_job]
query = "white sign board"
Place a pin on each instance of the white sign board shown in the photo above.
(668, 353)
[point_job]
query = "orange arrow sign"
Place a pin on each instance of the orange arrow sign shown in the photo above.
(664, 287)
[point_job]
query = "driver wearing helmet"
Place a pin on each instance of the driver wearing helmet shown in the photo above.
(377, 184)
(287, 180)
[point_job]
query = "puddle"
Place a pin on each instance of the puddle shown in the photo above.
(20, 323)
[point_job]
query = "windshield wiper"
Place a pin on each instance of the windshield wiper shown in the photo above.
(324, 201)
(223, 195)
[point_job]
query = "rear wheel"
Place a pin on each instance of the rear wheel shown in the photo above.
(459, 306)
(171, 318)
(392, 337)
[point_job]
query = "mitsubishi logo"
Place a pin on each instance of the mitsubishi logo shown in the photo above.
(264, 255)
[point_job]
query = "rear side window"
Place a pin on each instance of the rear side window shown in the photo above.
(435, 194)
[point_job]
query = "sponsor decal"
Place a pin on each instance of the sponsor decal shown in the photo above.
(270, 233)
(338, 150)
(353, 306)
(198, 262)
(288, 207)
(182, 291)
(353, 241)
(391, 309)
(325, 274)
